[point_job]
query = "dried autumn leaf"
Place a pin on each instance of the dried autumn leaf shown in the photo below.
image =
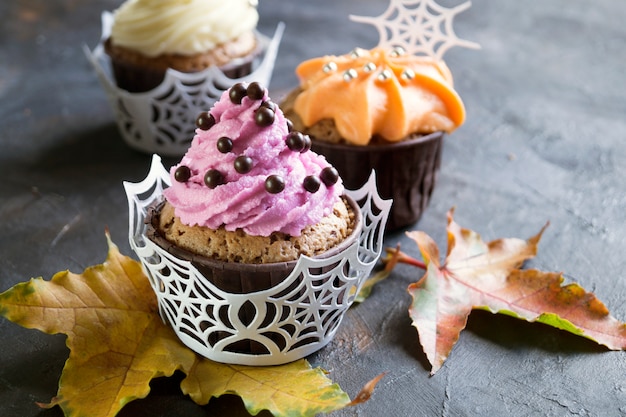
(392, 259)
(367, 391)
(479, 275)
(118, 344)
(294, 389)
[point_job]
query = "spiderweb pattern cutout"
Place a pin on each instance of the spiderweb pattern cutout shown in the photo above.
(286, 322)
(163, 120)
(421, 27)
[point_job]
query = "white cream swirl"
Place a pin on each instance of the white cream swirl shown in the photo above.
(185, 27)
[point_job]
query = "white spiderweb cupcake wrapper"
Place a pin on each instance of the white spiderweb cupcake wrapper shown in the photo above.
(162, 120)
(291, 320)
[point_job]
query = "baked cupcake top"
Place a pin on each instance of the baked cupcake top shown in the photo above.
(184, 27)
(246, 170)
(379, 92)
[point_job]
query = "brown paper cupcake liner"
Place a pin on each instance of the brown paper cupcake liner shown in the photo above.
(405, 171)
(242, 278)
(141, 78)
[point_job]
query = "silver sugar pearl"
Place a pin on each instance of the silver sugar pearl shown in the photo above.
(329, 67)
(397, 51)
(384, 75)
(350, 74)
(408, 74)
(369, 67)
(356, 52)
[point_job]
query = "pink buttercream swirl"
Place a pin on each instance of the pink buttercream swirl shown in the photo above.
(242, 201)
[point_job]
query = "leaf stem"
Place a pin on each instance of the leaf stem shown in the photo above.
(404, 258)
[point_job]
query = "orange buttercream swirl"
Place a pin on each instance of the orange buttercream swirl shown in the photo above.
(379, 93)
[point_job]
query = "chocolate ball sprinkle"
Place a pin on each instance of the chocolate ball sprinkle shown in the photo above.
(307, 144)
(237, 93)
(274, 184)
(264, 116)
(289, 125)
(205, 121)
(295, 141)
(270, 105)
(213, 178)
(329, 176)
(311, 183)
(255, 91)
(182, 173)
(224, 144)
(243, 164)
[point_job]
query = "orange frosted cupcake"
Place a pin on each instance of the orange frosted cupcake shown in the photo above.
(379, 109)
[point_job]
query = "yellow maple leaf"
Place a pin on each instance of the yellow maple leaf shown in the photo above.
(118, 344)
(294, 389)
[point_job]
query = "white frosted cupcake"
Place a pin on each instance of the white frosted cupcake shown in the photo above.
(162, 62)
(150, 36)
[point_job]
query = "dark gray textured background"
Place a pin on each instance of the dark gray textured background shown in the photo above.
(545, 139)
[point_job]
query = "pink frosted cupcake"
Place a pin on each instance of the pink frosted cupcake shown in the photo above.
(249, 191)
(255, 250)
